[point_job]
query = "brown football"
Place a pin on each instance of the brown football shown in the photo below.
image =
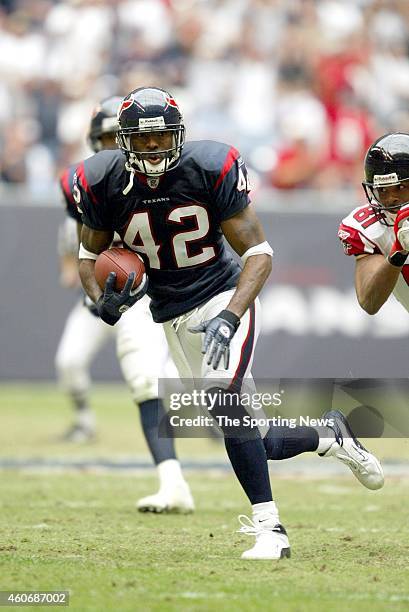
(122, 262)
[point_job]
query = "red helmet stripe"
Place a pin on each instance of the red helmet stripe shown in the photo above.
(171, 102)
(125, 104)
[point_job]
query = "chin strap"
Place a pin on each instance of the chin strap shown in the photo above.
(129, 186)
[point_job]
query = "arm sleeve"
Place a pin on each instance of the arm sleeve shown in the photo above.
(355, 242)
(231, 188)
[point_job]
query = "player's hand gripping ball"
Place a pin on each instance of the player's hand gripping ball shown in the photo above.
(122, 262)
(112, 303)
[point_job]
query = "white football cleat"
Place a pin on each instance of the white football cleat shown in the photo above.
(365, 466)
(172, 500)
(271, 537)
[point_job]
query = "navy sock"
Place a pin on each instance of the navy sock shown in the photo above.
(245, 449)
(249, 462)
(80, 400)
(155, 423)
(286, 442)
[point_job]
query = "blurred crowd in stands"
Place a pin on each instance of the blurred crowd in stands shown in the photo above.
(301, 87)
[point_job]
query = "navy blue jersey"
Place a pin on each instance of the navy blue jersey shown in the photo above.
(176, 226)
(66, 185)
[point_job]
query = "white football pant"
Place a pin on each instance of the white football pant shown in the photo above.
(140, 346)
(185, 347)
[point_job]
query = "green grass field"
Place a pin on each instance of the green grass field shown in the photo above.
(79, 530)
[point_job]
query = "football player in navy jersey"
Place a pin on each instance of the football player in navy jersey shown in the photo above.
(140, 345)
(173, 203)
(75, 349)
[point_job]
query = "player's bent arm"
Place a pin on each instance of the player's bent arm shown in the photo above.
(244, 231)
(375, 279)
(93, 242)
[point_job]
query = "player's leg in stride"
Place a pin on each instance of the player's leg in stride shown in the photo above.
(174, 494)
(82, 337)
(143, 357)
(336, 440)
(244, 446)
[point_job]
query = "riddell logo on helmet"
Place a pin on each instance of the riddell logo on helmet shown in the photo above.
(154, 122)
(385, 179)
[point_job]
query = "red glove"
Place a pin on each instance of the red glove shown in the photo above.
(400, 248)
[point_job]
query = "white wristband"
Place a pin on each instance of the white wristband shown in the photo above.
(84, 254)
(259, 249)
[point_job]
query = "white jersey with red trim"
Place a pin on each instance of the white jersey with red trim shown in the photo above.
(361, 233)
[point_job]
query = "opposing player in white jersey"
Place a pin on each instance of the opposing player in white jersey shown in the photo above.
(140, 344)
(377, 234)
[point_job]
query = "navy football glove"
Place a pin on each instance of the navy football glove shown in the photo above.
(111, 305)
(218, 333)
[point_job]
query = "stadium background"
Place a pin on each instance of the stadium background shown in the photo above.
(301, 87)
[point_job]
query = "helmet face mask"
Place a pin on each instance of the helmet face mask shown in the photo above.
(150, 117)
(139, 158)
(378, 195)
(386, 182)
